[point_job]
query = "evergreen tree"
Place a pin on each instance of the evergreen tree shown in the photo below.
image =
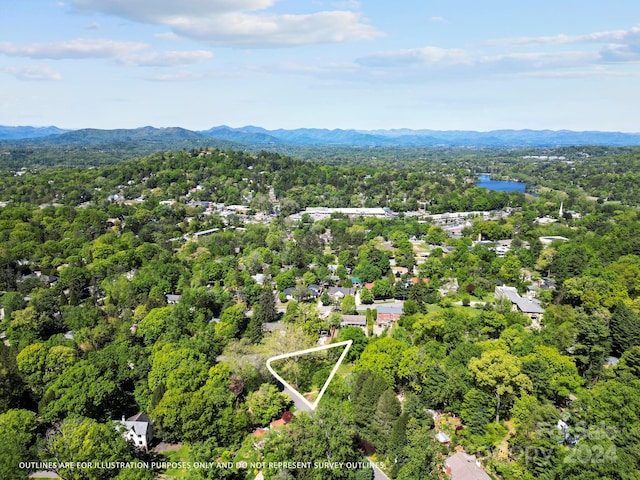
(419, 458)
(625, 328)
(325, 299)
(387, 412)
(419, 294)
(366, 393)
(477, 410)
(398, 439)
(264, 312)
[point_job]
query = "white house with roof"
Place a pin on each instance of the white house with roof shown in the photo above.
(137, 429)
(354, 321)
(531, 308)
(172, 298)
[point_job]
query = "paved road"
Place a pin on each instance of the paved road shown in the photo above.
(377, 473)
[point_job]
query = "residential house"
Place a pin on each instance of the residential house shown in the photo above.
(261, 278)
(283, 420)
(48, 280)
(172, 298)
(354, 321)
(138, 430)
(302, 293)
(260, 433)
(399, 271)
(388, 313)
(315, 288)
(338, 293)
(531, 308)
(462, 466)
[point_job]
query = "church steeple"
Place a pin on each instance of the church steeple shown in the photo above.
(560, 211)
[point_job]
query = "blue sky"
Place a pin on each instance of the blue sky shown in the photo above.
(432, 64)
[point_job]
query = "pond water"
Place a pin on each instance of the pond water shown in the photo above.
(484, 181)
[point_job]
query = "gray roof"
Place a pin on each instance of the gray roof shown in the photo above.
(392, 308)
(356, 320)
(342, 290)
(139, 424)
(524, 305)
(139, 428)
(528, 306)
(464, 467)
(139, 417)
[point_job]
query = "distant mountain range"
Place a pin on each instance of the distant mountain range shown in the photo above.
(251, 136)
(15, 133)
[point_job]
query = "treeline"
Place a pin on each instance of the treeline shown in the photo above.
(237, 178)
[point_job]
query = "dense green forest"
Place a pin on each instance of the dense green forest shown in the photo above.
(134, 287)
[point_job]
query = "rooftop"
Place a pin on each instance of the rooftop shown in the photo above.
(462, 466)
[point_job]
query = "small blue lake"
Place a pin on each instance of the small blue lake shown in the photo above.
(484, 181)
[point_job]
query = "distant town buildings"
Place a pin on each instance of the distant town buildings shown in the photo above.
(320, 213)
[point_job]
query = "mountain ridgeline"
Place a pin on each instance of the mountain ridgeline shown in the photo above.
(25, 146)
(251, 135)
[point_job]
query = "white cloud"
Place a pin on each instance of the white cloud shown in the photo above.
(614, 46)
(590, 52)
(539, 61)
(581, 74)
(263, 31)
(437, 19)
(346, 5)
(124, 53)
(240, 23)
(167, 36)
(173, 77)
(79, 48)
(33, 73)
(159, 10)
(166, 59)
(629, 52)
(329, 70)
(613, 36)
(425, 56)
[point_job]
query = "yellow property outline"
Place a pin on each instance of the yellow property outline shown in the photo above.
(293, 391)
